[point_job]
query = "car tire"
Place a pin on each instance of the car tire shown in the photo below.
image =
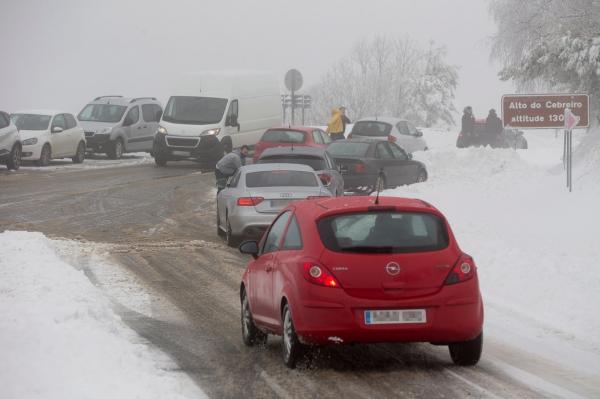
(251, 335)
(160, 160)
(291, 347)
(421, 176)
(115, 149)
(466, 353)
(45, 155)
(80, 154)
(231, 239)
(14, 159)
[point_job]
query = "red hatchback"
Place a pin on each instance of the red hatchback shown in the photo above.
(290, 136)
(350, 270)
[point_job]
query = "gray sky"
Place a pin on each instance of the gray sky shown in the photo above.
(65, 52)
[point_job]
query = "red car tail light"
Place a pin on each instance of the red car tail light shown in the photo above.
(463, 270)
(249, 201)
(319, 275)
(359, 168)
(392, 139)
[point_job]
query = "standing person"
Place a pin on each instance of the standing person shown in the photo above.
(228, 165)
(335, 126)
(493, 130)
(467, 129)
(345, 119)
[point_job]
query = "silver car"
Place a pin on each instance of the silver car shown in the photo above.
(256, 194)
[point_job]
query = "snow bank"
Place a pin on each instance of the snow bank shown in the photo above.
(59, 337)
(536, 245)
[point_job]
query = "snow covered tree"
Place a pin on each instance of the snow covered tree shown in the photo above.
(552, 45)
(389, 77)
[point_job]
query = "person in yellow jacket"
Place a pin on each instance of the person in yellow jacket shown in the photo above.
(335, 126)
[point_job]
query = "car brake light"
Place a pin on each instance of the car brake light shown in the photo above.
(392, 139)
(463, 270)
(319, 275)
(359, 168)
(249, 201)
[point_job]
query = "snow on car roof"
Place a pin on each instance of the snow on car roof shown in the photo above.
(386, 119)
(265, 167)
(41, 112)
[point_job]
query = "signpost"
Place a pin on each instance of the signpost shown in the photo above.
(293, 82)
(549, 111)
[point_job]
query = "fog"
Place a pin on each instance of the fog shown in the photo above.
(61, 54)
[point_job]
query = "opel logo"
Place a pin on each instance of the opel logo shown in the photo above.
(392, 268)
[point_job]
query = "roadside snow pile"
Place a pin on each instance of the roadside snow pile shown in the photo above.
(59, 337)
(536, 245)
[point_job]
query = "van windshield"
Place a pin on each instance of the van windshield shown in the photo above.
(195, 110)
(102, 113)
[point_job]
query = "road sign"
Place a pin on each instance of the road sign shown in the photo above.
(293, 80)
(544, 111)
(571, 120)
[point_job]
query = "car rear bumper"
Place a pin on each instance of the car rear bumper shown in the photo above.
(451, 316)
(249, 223)
(206, 149)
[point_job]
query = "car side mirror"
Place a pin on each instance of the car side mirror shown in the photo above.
(158, 116)
(127, 122)
(409, 155)
(249, 248)
(57, 129)
(419, 133)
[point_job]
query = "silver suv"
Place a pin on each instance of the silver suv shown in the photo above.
(10, 143)
(115, 125)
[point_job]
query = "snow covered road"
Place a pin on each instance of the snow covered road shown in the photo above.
(158, 224)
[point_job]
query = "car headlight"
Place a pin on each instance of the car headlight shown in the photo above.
(211, 132)
(161, 130)
(30, 141)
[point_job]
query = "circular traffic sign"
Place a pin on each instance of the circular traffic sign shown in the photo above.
(293, 80)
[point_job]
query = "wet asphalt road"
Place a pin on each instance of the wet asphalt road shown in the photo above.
(160, 224)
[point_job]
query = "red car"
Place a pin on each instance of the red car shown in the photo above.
(290, 136)
(357, 270)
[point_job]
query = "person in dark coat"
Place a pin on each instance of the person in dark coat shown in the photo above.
(228, 165)
(468, 122)
(493, 129)
(345, 119)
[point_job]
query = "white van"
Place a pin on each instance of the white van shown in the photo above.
(216, 111)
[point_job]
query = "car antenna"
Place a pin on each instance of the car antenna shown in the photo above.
(379, 179)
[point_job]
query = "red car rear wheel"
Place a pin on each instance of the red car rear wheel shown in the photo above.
(466, 353)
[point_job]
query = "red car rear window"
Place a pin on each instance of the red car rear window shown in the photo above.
(283, 136)
(383, 232)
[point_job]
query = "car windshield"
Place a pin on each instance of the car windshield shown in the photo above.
(348, 149)
(281, 178)
(371, 129)
(383, 232)
(31, 121)
(283, 136)
(102, 113)
(195, 110)
(316, 163)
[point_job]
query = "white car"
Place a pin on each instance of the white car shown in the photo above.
(46, 135)
(396, 130)
(10, 143)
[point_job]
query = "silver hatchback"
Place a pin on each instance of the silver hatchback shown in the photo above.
(257, 193)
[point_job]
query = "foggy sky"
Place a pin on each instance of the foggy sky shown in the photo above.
(62, 53)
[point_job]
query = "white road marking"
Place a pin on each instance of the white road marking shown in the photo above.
(278, 389)
(473, 385)
(533, 381)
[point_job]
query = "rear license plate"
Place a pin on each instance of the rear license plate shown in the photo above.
(181, 153)
(403, 316)
(279, 203)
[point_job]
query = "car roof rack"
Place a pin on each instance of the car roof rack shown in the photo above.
(101, 97)
(142, 98)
